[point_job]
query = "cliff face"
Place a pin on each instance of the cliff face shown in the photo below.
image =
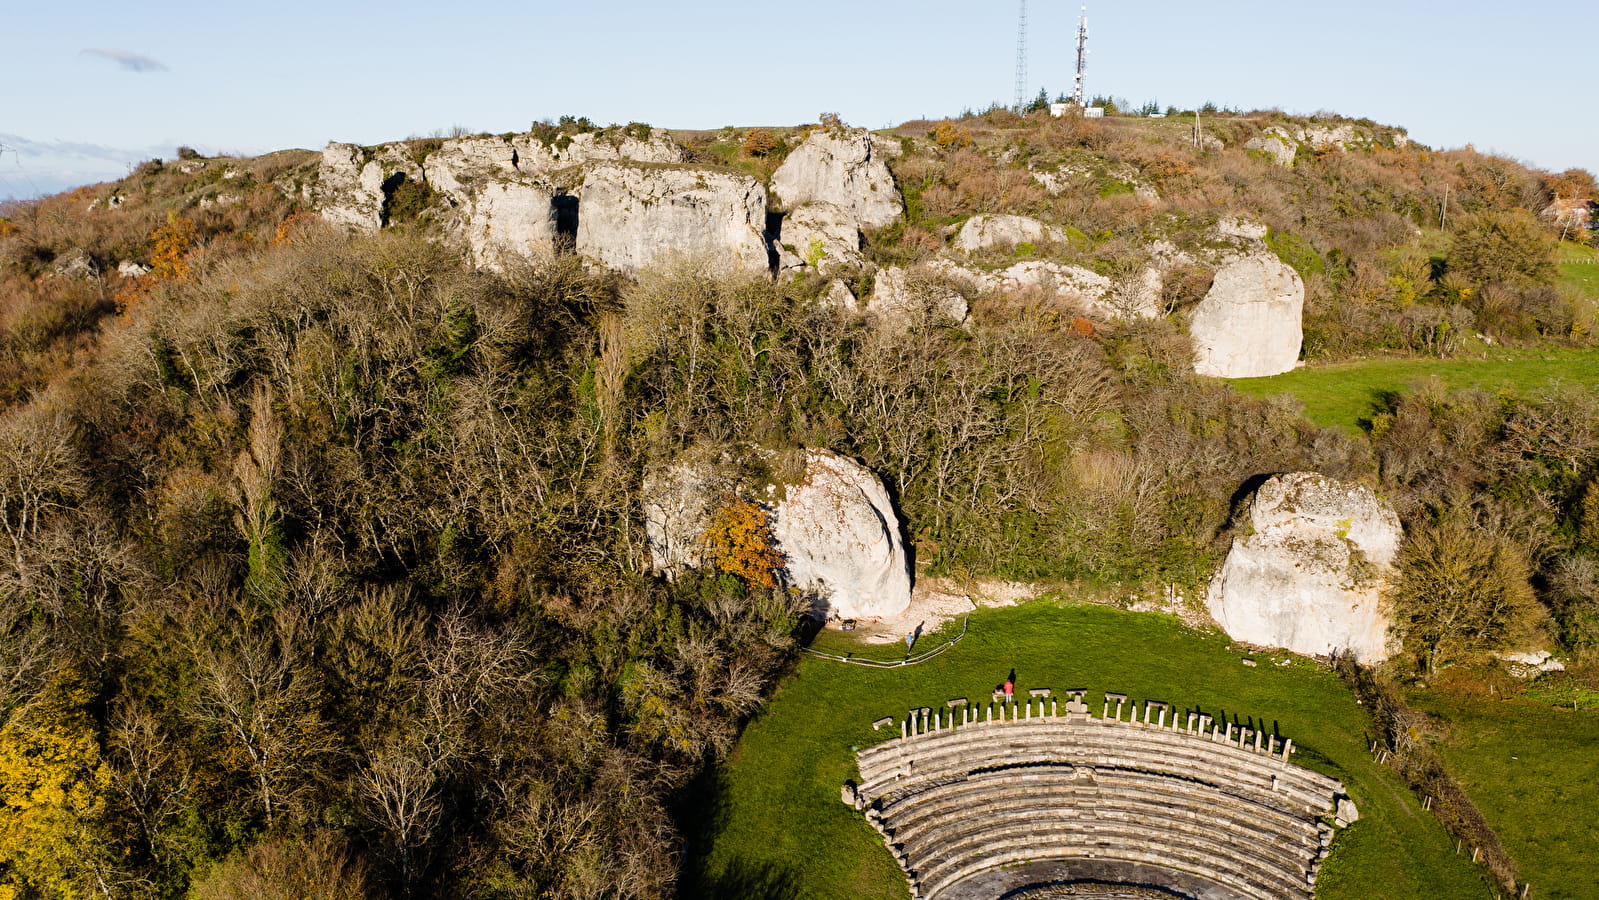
(632, 216)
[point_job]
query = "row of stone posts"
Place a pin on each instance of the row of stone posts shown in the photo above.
(958, 713)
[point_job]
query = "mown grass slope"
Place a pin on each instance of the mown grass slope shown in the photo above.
(774, 827)
(1347, 394)
(1533, 771)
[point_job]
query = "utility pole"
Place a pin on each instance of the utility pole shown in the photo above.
(1082, 58)
(1021, 59)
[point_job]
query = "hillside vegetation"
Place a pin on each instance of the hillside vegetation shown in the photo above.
(322, 562)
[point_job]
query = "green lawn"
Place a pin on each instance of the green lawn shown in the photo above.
(1579, 269)
(1342, 395)
(1533, 770)
(773, 827)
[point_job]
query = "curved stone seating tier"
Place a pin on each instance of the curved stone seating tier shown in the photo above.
(903, 764)
(1219, 856)
(981, 803)
(953, 759)
(970, 807)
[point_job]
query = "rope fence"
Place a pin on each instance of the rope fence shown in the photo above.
(907, 661)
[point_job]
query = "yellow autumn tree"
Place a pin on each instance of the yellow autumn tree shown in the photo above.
(52, 785)
(740, 540)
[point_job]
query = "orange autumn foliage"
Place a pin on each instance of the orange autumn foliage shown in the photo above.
(740, 540)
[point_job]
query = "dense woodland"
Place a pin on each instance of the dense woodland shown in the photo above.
(322, 571)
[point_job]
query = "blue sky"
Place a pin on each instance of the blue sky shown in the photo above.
(134, 79)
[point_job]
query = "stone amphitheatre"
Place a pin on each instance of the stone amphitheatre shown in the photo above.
(1042, 799)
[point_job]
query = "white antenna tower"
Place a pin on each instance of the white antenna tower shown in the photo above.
(1021, 59)
(1082, 57)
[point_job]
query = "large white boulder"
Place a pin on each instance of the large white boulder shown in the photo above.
(987, 231)
(835, 527)
(838, 530)
(632, 215)
(1250, 323)
(1309, 571)
(844, 168)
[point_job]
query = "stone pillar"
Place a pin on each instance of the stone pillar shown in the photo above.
(1053, 709)
(1288, 749)
(1229, 732)
(1257, 741)
(904, 732)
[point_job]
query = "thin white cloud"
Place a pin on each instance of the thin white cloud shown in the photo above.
(30, 168)
(127, 59)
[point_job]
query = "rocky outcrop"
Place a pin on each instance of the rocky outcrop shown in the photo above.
(902, 299)
(985, 232)
(501, 191)
(534, 156)
(353, 184)
(508, 221)
(820, 236)
(349, 188)
(1308, 571)
(462, 166)
(1250, 323)
(1277, 143)
(839, 296)
(75, 263)
(844, 168)
(633, 215)
(1074, 287)
(1282, 142)
(1098, 173)
(834, 526)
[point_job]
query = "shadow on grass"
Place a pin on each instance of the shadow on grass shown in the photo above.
(703, 814)
(748, 881)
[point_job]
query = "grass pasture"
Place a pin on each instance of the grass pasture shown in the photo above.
(1533, 770)
(773, 827)
(1579, 272)
(1345, 394)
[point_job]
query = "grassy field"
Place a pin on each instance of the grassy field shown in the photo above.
(1343, 395)
(1579, 272)
(774, 829)
(1533, 770)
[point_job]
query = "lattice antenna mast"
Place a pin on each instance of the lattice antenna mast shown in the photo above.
(1021, 59)
(1082, 57)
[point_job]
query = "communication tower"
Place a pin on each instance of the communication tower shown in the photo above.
(1021, 59)
(1082, 58)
